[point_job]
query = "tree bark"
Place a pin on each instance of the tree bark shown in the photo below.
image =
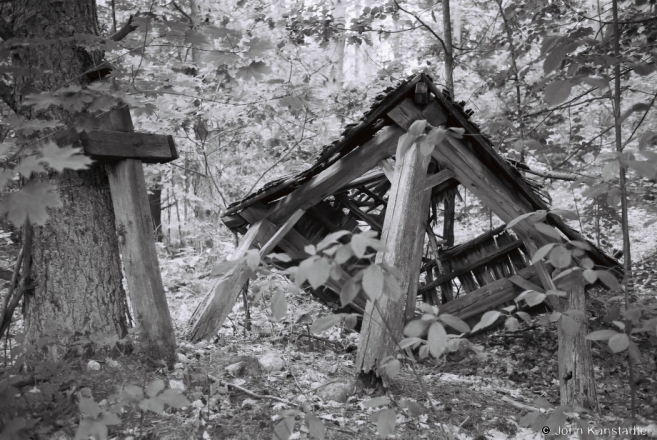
(75, 258)
(384, 318)
(576, 378)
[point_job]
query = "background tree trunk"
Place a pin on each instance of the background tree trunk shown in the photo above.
(75, 263)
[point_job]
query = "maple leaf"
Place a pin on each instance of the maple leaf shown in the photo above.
(255, 70)
(29, 165)
(31, 202)
(258, 47)
(65, 157)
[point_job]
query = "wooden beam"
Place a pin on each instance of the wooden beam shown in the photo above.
(113, 145)
(474, 265)
(437, 179)
(524, 284)
(268, 247)
(358, 213)
(399, 235)
(489, 297)
(339, 174)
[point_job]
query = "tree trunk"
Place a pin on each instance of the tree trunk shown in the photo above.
(155, 203)
(75, 258)
(576, 378)
(384, 318)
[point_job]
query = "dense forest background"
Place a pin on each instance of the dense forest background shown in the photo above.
(251, 91)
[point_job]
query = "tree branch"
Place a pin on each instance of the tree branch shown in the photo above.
(124, 31)
(175, 5)
(426, 26)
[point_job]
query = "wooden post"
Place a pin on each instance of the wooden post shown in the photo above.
(134, 227)
(404, 214)
(416, 264)
(576, 377)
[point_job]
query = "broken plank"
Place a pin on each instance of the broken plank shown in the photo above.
(339, 174)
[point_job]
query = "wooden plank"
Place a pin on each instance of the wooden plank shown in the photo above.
(369, 177)
(402, 218)
(524, 284)
(437, 179)
(342, 172)
(517, 263)
(114, 145)
(488, 297)
(473, 265)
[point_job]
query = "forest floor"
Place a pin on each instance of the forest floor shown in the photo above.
(233, 397)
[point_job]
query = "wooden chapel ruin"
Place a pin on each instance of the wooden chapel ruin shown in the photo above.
(353, 185)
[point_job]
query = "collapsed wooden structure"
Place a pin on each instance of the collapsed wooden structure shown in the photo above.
(349, 187)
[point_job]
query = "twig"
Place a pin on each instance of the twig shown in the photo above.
(258, 396)
(175, 5)
(426, 26)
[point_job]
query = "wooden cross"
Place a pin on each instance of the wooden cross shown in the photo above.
(111, 139)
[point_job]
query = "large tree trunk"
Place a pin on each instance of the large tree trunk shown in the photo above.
(75, 263)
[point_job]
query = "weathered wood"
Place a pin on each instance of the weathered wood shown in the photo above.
(268, 247)
(524, 284)
(576, 377)
(475, 264)
(437, 179)
(134, 227)
(339, 174)
(516, 262)
(213, 310)
(416, 264)
(488, 297)
(399, 233)
(407, 112)
(358, 213)
(421, 93)
(114, 145)
(368, 178)
(387, 169)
